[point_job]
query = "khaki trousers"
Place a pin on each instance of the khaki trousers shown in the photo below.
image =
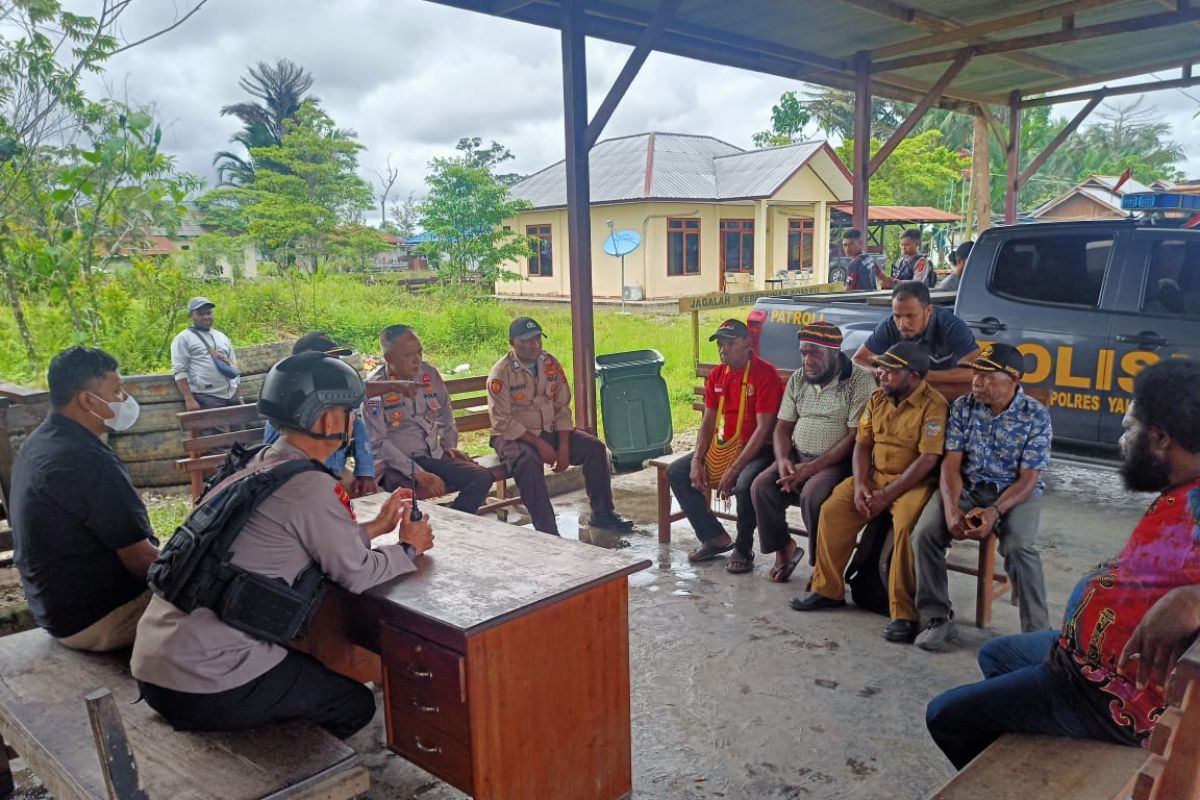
(840, 524)
(113, 631)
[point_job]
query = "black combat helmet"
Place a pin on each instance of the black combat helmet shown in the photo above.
(300, 387)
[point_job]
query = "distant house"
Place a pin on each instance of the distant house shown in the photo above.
(159, 243)
(1094, 198)
(711, 217)
(401, 256)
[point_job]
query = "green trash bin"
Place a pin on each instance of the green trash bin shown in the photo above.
(634, 406)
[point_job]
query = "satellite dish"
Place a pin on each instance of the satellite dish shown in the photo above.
(622, 243)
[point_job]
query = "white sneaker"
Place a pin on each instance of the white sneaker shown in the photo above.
(936, 634)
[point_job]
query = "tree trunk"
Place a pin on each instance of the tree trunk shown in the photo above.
(14, 303)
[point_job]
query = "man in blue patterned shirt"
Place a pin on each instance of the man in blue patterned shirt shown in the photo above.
(997, 444)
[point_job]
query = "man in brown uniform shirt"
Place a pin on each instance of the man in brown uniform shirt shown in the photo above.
(529, 401)
(900, 440)
(201, 673)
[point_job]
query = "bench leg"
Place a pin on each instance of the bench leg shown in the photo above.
(664, 507)
(7, 786)
(501, 494)
(985, 587)
(116, 759)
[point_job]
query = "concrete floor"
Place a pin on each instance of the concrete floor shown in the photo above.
(734, 695)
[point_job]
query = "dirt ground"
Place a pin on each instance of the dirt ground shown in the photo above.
(734, 695)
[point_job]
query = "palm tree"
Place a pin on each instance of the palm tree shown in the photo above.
(278, 89)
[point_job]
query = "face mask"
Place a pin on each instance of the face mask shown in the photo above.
(125, 413)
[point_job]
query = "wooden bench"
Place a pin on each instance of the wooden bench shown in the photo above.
(113, 747)
(1025, 767)
(206, 451)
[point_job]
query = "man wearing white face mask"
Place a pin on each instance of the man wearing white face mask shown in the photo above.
(81, 537)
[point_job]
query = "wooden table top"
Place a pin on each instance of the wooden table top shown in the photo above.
(482, 572)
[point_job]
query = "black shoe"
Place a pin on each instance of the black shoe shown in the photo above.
(901, 630)
(610, 520)
(815, 602)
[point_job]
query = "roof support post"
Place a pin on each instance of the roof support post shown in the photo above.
(1057, 141)
(1012, 184)
(633, 64)
(910, 122)
(579, 216)
(979, 218)
(862, 140)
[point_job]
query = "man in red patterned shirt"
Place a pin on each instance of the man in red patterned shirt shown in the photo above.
(1102, 675)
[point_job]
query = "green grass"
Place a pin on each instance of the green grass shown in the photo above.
(167, 513)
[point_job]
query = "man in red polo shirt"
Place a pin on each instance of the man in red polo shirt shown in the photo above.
(740, 375)
(1102, 675)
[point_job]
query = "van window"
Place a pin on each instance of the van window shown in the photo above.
(1067, 269)
(1173, 279)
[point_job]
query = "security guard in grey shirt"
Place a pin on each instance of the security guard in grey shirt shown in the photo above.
(199, 671)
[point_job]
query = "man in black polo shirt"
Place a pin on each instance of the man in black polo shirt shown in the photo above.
(942, 335)
(81, 536)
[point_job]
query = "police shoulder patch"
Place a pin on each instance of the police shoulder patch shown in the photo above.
(344, 497)
(496, 386)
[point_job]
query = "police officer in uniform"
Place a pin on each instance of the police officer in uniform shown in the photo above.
(412, 429)
(203, 674)
(530, 405)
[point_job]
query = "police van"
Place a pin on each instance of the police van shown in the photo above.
(1090, 304)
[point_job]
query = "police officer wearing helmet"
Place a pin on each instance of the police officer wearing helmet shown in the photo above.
(199, 671)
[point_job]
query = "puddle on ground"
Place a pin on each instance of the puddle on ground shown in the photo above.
(570, 527)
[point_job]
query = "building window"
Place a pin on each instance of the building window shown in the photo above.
(737, 245)
(541, 263)
(800, 245)
(683, 247)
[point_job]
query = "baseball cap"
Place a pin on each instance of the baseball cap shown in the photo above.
(1000, 358)
(320, 342)
(523, 328)
(904, 355)
(197, 303)
(821, 333)
(731, 329)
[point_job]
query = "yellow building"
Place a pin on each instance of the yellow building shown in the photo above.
(711, 216)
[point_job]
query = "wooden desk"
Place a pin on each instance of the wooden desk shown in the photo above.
(504, 660)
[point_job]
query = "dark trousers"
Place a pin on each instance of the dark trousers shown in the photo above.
(695, 506)
(299, 687)
(471, 481)
(771, 503)
(1019, 694)
(207, 401)
(522, 461)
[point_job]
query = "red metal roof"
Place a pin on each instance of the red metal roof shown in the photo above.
(903, 213)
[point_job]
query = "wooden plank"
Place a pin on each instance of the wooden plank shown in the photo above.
(473, 422)
(154, 446)
(117, 763)
(216, 417)
(22, 394)
(473, 383)
(148, 474)
(40, 715)
(248, 437)
(1026, 767)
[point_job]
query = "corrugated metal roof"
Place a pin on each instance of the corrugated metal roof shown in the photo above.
(903, 213)
(671, 166)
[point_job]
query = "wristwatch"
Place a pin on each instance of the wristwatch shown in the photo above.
(409, 550)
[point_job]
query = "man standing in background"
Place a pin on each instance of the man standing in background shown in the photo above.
(203, 362)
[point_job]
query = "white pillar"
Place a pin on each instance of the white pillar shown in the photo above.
(821, 242)
(762, 245)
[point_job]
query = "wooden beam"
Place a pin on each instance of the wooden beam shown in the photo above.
(1011, 184)
(968, 32)
(1103, 29)
(913, 118)
(1137, 71)
(633, 64)
(504, 7)
(994, 126)
(939, 25)
(1111, 91)
(1057, 141)
(862, 143)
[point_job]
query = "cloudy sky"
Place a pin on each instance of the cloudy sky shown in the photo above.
(411, 77)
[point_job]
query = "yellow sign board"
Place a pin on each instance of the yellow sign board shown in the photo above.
(709, 302)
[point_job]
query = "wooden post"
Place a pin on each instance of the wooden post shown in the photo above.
(981, 176)
(695, 340)
(579, 211)
(116, 759)
(862, 141)
(1012, 184)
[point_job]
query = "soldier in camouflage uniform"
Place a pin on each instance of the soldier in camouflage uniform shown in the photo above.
(997, 444)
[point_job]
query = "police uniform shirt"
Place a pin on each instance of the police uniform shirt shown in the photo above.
(191, 359)
(996, 448)
(946, 339)
(72, 507)
(522, 400)
(400, 426)
(307, 519)
(901, 432)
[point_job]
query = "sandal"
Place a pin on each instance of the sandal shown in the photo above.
(740, 563)
(707, 552)
(782, 573)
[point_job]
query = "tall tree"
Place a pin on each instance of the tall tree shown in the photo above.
(474, 154)
(386, 179)
(405, 217)
(278, 90)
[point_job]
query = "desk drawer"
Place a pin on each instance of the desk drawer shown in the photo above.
(424, 684)
(432, 750)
